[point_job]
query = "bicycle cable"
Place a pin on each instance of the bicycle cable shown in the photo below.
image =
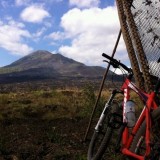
(123, 75)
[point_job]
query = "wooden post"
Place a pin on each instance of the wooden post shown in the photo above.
(101, 87)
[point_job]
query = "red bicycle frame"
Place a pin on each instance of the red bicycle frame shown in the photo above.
(149, 104)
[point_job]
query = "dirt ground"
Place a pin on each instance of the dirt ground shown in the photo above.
(37, 139)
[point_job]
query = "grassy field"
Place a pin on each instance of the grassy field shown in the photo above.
(47, 124)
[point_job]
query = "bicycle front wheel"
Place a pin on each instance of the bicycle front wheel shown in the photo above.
(138, 144)
(103, 142)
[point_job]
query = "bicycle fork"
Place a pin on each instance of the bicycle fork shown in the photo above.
(105, 111)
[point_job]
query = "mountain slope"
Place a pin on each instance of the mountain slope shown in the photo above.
(43, 64)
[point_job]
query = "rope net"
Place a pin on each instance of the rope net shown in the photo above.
(146, 14)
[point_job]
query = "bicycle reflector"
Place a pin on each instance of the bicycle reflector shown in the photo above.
(130, 113)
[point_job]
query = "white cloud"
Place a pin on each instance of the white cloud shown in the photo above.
(37, 36)
(57, 36)
(78, 21)
(39, 32)
(56, 1)
(22, 2)
(48, 24)
(84, 3)
(11, 22)
(12, 35)
(34, 14)
(31, 2)
(92, 31)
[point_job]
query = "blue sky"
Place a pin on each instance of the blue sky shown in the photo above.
(78, 29)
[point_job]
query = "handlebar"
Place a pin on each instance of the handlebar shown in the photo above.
(116, 63)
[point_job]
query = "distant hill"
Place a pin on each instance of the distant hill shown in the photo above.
(41, 65)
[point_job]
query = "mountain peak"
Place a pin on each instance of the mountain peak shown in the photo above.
(40, 53)
(44, 59)
(44, 64)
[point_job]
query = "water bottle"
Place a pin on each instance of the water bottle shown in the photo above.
(130, 113)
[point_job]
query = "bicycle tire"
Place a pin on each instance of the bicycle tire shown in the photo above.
(139, 142)
(102, 147)
(104, 143)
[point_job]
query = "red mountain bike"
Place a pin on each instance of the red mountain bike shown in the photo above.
(119, 131)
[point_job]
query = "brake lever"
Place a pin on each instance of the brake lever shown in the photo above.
(105, 61)
(113, 64)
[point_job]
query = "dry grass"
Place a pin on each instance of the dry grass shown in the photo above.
(38, 111)
(60, 103)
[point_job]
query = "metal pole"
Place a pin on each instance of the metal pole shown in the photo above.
(101, 87)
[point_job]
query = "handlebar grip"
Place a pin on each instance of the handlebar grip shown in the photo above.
(116, 62)
(108, 57)
(125, 67)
